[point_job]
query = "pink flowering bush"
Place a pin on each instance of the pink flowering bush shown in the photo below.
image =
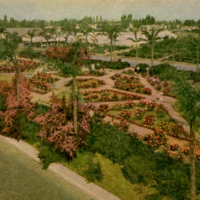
(104, 108)
(125, 114)
(129, 104)
(122, 125)
(117, 106)
(149, 119)
(156, 139)
(160, 110)
(173, 146)
(186, 150)
(139, 113)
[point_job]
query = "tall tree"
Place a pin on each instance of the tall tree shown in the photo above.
(31, 35)
(42, 35)
(112, 31)
(8, 50)
(68, 60)
(151, 38)
(136, 40)
(189, 102)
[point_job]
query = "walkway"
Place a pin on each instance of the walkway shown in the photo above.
(159, 98)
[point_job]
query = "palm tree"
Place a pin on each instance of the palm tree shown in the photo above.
(9, 50)
(31, 35)
(93, 37)
(112, 31)
(42, 35)
(196, 43)
(47, 37)
(136, 40)
(151, 38)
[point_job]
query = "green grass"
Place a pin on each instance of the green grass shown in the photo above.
(67, 95)
(23, 178)
(113, 178)
(7, 78)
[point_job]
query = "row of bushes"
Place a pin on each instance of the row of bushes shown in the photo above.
(108, 64)
(165, 70)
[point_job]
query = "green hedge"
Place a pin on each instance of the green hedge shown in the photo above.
(108, 64)
(142, 67)
(161, 68)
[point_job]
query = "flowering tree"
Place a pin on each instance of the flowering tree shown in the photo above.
(57, 129)
(69, 61)
(14, 107)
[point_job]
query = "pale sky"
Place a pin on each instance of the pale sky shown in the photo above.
(109, 9)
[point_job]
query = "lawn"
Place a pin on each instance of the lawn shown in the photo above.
(7, 78)
(67, 95)
(23, 178)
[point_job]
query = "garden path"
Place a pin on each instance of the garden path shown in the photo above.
(159, 98)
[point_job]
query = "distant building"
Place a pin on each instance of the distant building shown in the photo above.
(189, 28)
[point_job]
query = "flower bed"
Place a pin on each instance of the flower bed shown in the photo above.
(108, 95)
(41, 79)
(87, 83)
(130, 83)
(162, 86)
(23, 64)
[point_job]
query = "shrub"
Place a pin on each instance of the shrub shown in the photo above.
(94, 171)
(122, 125)
(126, 114)
(104, 108)
(163, 68)
(117, 106)
(142, 67)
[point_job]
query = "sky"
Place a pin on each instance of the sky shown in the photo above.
(108, 9)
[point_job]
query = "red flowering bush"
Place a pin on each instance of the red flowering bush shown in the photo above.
(122, 125)
(165, 126)
(150, 105)
(117, 106)
(129, 104)
(15, 107)
(160, 110)
(23, 64)
(198, 154)
(186, 150)
(147, 91)
(104, 108)
(139, 113)
(125, 114)
(40, 79)
(58, 132)
(173, 146)
(149, 119)
(142, 103)
(156, 139)
(115, 96)
(178, 129)
(158, 87)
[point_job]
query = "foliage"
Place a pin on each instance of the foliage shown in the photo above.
(110, 65)
(161, 69)
(58, 131)
(142, 67)
(10, 115)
